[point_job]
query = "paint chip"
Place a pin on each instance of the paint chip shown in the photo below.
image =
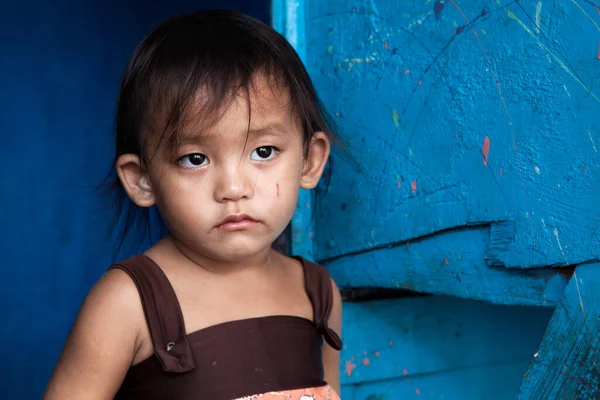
(366, 362)
(485, 150)
(396, 118)
(414, 186)
(418, 391)
(350, 367)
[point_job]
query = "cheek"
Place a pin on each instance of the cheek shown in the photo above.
(283, 197)
(178, 201)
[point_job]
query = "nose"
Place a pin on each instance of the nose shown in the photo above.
(233, 183)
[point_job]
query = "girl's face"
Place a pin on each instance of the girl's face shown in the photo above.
(231, 190)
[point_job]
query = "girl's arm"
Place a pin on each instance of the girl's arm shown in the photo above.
(102, 343)
(331, 357)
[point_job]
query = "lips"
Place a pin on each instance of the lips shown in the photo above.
(237, 222)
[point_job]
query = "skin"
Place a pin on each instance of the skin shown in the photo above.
(218, 275)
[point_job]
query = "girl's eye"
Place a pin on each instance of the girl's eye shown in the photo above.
(263, 153)
(194, 160)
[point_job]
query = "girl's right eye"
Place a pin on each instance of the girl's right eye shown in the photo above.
(194, 160)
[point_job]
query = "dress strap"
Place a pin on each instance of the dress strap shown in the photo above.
(162, 312)
(320, 292)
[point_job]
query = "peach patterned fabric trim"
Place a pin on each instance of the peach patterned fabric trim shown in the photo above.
(319, 393)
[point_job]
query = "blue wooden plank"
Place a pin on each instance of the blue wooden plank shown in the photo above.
(412, 337)
(451, 263)
(567, 363)
(288, 19)
(486, 382)
(461, 113)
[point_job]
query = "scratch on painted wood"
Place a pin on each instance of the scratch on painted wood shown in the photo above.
(512, 16)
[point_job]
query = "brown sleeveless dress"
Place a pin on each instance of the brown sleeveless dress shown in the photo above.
(274, 357)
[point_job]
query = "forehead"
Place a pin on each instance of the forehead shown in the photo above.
(261, 103)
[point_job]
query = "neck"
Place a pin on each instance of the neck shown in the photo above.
(212, 265)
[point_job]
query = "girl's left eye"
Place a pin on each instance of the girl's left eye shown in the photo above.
(263, 153)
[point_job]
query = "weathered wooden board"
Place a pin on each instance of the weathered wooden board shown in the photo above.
(567, 363)
(450, 263)
(486, 382)
(441, 346)
(458, 113)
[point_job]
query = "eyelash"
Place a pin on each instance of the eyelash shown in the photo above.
(181, 160)
(273, 153)
(203, 159)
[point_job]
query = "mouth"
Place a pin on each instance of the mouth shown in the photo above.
(237, 222)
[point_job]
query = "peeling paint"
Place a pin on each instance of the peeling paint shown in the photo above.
(396, 118)
(350, 367)
(485, 149)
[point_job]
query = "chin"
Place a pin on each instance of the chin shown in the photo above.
(240, 251)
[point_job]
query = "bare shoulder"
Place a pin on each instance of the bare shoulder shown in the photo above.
(102, 343)
(114, 298)
(116, 283)
(335, 319)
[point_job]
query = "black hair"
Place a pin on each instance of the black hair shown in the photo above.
(218, 52)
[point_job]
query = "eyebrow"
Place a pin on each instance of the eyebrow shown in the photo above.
(274, 129)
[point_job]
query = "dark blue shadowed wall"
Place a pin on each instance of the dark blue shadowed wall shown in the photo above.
(60, 67)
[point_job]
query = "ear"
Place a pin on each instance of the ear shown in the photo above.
(133, 179)
(316, 159)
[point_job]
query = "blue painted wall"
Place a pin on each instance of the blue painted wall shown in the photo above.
(457, 114)
(471, 170)
(59, 72)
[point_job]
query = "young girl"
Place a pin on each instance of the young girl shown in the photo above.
(218, 126)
